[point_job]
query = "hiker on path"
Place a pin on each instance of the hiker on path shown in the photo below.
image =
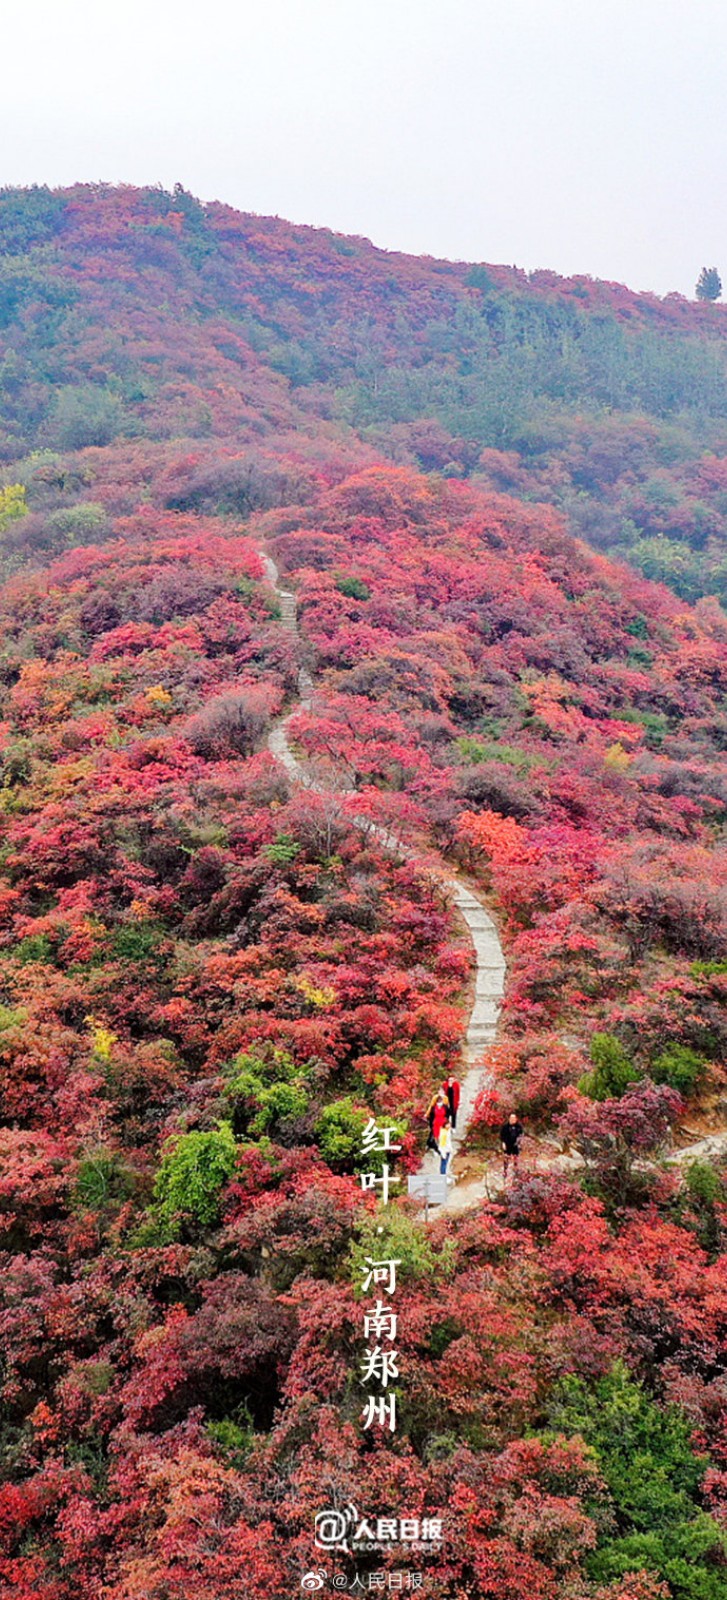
(511, 1134)
(436, 1114)
(452, 1091)
(445, 1148)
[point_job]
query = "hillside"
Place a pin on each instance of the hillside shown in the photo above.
(211, 976)
(143, 314)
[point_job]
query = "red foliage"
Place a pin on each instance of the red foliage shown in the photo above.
(176, 1413)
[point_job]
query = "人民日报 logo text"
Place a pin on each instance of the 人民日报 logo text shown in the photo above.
(349, 1529)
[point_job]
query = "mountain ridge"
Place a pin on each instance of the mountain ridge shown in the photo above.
(609, 404)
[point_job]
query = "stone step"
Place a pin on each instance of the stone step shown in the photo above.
(489, 982)
(478, 919)
(480, 1035)
(288, 611)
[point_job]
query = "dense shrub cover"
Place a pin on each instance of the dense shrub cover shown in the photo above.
(210, 979)
(165, 318)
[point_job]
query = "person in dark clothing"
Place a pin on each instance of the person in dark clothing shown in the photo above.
(511, 1134)
(451, 1089)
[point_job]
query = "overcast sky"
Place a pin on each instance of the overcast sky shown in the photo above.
(584, 135)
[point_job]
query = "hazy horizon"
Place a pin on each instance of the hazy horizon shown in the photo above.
(587, 139)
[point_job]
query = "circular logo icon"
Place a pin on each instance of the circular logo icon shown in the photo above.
(331, 1529)
(312, 1581)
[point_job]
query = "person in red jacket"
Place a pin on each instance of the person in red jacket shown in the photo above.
(451, 1090)
(436, 1115)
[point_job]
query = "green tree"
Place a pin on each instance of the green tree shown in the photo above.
(699, 1205)
(613, 1069)
(102, 1180)
(679, 1066)
(654, 1478)
(709, 284)
(28, 217)
(83, 523)
(391, 1235)
(282, 851)
(12, 504)
(190, 1180)
(84, 414)
(264, 1090)
(353, 588)
(339, 1131)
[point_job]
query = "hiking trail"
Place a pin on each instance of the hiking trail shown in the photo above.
(489, 982)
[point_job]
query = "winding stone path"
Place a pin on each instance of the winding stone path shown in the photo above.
(489, 958)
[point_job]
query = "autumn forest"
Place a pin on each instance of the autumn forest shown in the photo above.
(500, 501)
